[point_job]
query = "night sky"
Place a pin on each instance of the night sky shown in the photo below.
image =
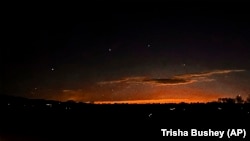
(122, 54)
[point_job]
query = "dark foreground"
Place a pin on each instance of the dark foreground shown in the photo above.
(38, 120)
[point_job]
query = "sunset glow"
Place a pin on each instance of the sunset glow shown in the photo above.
(172, 70)
(192, 87)
(174, 56)
(152, 101)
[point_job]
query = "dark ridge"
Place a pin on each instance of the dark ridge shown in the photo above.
(54, 120)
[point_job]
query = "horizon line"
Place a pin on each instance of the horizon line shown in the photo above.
(150, 101)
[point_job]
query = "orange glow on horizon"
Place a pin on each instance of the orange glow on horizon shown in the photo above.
(186, 95)
(145, 94)
(152, 101)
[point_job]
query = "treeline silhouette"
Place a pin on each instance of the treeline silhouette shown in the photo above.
(238, 99)
(12, 104)
(50, 118)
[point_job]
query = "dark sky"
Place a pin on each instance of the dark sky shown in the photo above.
(123, 54)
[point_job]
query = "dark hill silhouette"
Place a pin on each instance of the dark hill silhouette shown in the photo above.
(65, 120)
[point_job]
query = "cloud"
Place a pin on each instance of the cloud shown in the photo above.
(68, 91)
(76, 95)
(124, 80)
(145, 80)
(206, 74)
(175, 80)
(169, 81)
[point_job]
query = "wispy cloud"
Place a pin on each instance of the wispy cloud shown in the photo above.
(175, 80)
(168, 81)
(206, 74)
(124, 80)
(76, 95)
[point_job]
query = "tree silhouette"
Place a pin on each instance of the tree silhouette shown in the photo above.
(239, 99)
(226, 100)
(248, 99)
